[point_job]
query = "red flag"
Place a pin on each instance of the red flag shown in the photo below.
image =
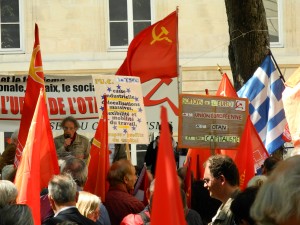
(35, 82)
(198, 158)
(38, 162)
(244, 159)
(153, 52)
(188, 182)
(99, 163)
(225, 88)
(259, 151)
(166, 197)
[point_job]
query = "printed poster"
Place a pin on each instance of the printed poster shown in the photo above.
(126, 112)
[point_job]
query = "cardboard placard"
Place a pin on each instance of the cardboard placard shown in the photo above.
(211, 122)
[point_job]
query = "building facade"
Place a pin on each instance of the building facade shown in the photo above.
(93, 35)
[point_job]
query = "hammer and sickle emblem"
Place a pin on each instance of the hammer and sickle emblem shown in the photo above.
(34, 70)
(96, 143)
(159, 37)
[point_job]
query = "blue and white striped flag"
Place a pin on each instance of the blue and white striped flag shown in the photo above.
(264, 91)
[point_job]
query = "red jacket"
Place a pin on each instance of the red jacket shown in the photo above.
(119, 203)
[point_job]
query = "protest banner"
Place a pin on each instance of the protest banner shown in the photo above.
(125, 107)
(69, 95)
(211, 122)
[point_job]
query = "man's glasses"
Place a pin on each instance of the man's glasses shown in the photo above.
(207, 180)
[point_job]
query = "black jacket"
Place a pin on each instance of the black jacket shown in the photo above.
(71, 214)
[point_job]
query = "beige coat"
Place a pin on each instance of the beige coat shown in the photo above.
(80, 148)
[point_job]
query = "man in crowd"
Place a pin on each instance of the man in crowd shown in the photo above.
(72, 143)
(144, 216)
(79, 172)
(151, 153)
(221, 178)
(8, 156)
(77, 168)
(269, 165)
(278, 199)
(8, 193)
(119, 200)
(241, 205)
(63, 196)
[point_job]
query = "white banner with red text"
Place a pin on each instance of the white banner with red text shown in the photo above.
(69, 95)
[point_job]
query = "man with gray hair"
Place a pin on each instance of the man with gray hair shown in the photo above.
(278, 199)
(77, 168)
(70, 142)
(63, 196)
(8, 193)
(79, 172)
(16, 214)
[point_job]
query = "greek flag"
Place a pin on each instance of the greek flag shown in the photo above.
(264, 91)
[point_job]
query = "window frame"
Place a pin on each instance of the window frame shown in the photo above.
(279, 43)
(130, 24)
(21, 24)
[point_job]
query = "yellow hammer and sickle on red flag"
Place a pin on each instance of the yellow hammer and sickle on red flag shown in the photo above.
(160, 37)
(96, 143)
(33, 70)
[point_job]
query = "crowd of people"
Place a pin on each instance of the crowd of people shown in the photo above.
(270, 198)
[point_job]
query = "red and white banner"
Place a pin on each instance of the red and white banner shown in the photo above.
(75, 96)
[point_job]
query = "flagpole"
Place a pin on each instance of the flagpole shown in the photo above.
(280, 74)
(127, 149)
(177, 54)
(212, 146)
(220, 69)
(177, 46)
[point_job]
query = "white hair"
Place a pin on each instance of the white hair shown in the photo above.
(279, 197)
(8, 192)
